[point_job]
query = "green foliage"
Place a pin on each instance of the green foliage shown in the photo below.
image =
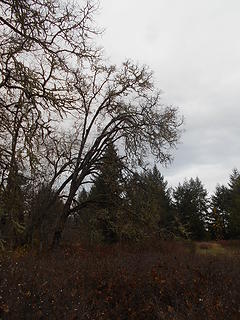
(108, 185)
(225, 216)
(180, 230)
(106, 199)
(126, 210)
(191, 203)
(234, 216)
(42, 215)
(219, 215)
(149, 203)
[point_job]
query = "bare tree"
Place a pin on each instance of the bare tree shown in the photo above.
(40, 43)
(70, 104)
(115, 105)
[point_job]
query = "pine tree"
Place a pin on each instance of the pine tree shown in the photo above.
(191, 204)
(107, 185)
(41, 219)
(234, 214)
(220, 211)
(106, 193)
(150, 203)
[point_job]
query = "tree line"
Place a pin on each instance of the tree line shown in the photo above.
(141, 205)
(124, 205)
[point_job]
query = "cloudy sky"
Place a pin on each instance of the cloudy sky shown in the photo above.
(193, 47)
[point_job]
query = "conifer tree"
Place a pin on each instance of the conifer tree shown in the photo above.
(191, 204)
(219, 215)
(106, 193)
(150, 202)
(234, 214)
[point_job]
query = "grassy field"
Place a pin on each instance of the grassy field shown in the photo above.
(218, 248)
(159, 280)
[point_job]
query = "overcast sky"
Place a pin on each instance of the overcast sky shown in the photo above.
(193, 47)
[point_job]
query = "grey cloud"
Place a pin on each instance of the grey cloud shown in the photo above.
(194, 49)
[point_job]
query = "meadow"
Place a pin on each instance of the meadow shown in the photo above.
(170, 280)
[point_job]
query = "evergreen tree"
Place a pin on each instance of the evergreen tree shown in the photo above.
(41, 218)
(234, 212)
(191, 204)
(150, 202)
(219, 215)
(107, 186)
(106, 193)
(158, 196)
(225, 216)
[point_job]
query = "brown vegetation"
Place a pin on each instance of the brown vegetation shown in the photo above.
(151, 281)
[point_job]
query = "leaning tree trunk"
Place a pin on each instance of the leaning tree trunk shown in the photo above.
(76, 182)
(61, 222)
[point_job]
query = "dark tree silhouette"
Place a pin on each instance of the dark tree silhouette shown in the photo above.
(191, 204)
(62, 104)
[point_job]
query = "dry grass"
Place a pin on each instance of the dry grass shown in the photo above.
(213, 248)
(226, 248)
(152, 281)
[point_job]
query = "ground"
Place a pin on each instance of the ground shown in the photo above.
(156, 280)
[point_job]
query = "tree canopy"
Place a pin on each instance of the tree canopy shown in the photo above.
(62, 103)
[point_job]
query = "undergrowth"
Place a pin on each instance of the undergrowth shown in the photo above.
(164, 280)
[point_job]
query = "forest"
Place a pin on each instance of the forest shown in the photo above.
(118, 206)
(88, 228)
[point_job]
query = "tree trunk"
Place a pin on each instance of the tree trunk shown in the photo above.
(57, 237)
